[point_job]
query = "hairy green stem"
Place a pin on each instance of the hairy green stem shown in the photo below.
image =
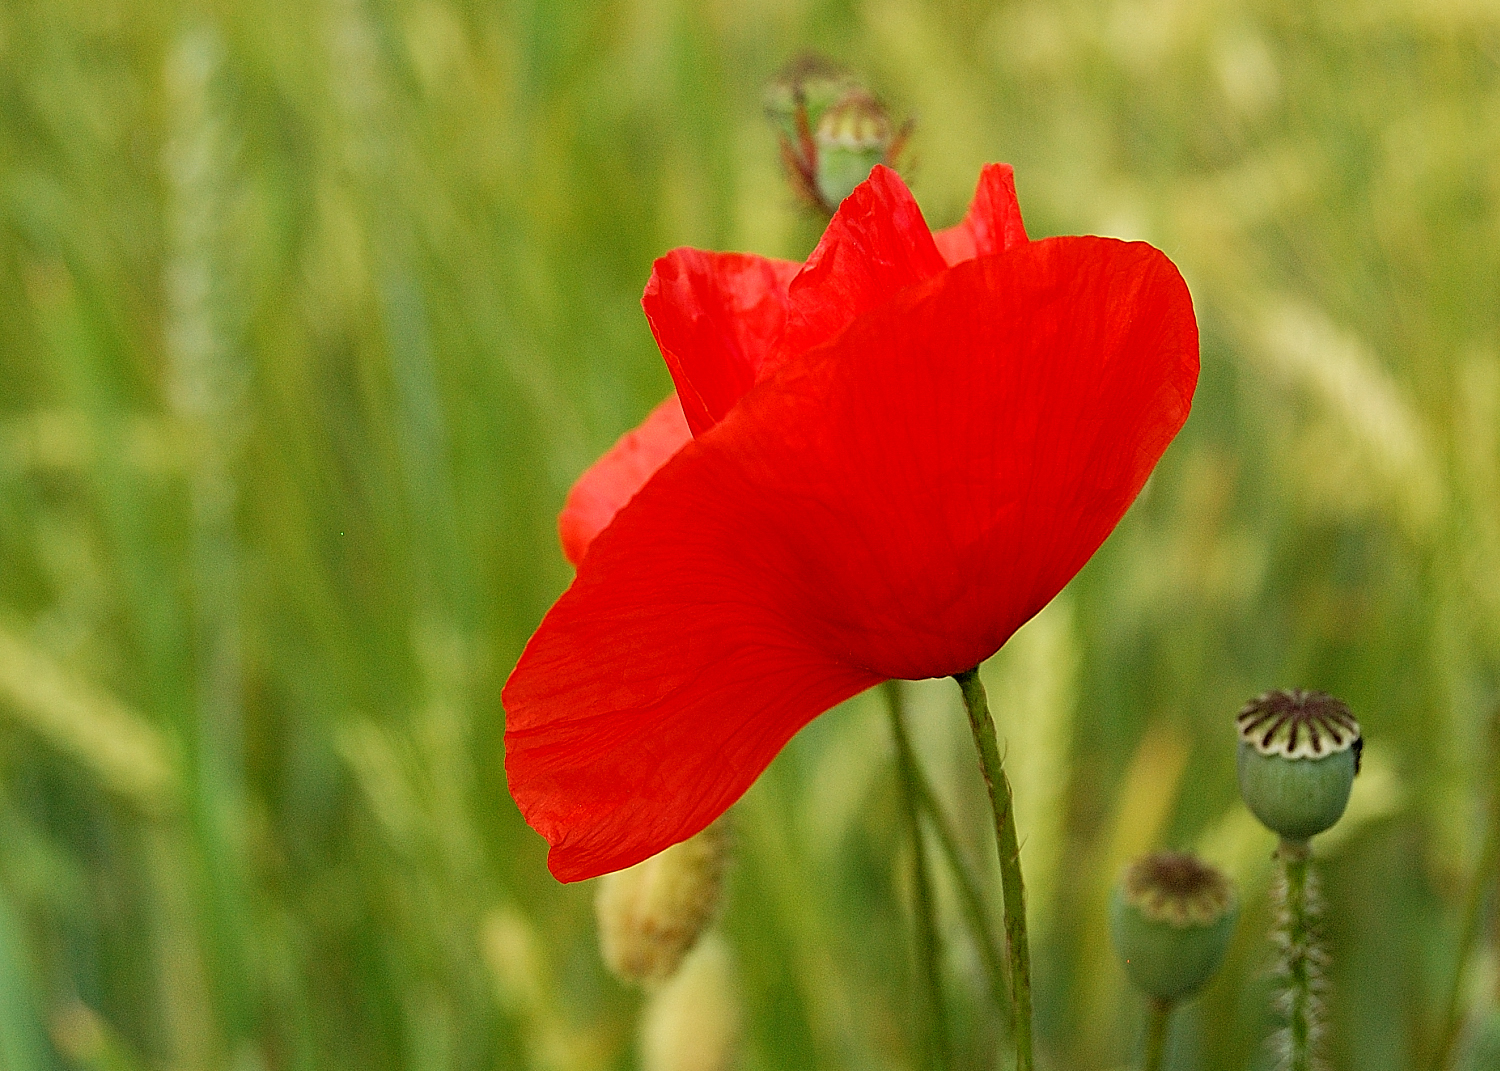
(1013, 892)
(1301, 954)
(924, 908)
(1484, 877)
(1157, 1012)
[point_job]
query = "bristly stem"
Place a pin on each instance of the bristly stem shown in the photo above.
(1302, 955)
(1013, 892)
(1157, 1012)
(924, 907)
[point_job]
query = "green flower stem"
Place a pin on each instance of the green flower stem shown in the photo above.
(971, 899)
(1484, 877)
(924, 907)
(1300, 952)
(1157, 1012)
(1013, 892)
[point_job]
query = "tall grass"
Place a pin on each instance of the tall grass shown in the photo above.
(309, 315)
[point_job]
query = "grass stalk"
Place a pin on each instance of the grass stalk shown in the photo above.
(924, 907)
(1480, 884)
(970, 897)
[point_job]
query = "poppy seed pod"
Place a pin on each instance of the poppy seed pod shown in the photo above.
(1171, 916)
(1298, 754)
(650, 915)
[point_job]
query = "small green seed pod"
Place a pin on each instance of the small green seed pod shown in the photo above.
(1298, 754)
(1171, 916)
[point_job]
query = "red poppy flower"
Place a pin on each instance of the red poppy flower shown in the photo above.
(883, 463)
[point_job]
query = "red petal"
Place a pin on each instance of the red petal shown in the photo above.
(993, 224)
(894, 504)
(662, 745)
(876, 245)
(715, 316)
(614, 479)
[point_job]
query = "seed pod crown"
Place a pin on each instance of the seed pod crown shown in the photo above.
(1171, 916)
(1299, 725)
(1179, 888)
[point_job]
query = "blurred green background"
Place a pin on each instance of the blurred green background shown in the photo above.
(309, 316)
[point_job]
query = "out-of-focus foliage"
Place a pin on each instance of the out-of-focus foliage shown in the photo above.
(309, 315)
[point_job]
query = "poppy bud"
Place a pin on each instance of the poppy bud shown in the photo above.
(1171, 916)
(852, 137)
(1298, 754)
(650, 915)
(833, 132)
(810, 82)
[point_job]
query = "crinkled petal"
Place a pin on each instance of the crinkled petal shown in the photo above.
(894, 504)
(993, 223)
(715, 317)
(613, 480)
(876, 245)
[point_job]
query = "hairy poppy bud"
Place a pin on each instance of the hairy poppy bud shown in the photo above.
(651, 914)
(1171, 916)
(811, 82)
(852, 137)
(1298, 754)
(833, 131)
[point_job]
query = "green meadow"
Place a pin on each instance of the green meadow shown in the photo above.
(310, 314)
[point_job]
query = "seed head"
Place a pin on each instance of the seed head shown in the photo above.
(1298, 754)
(1299, 725)
(1171, 916)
